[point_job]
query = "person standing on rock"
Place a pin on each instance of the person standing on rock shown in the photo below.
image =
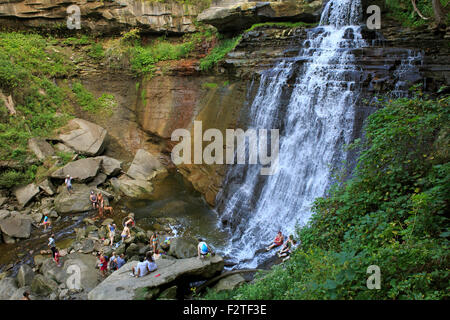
(94, 200)
(56, 257)
(103, 264)
(68, 183)
(52, 244)
(154, 241)
(46, 222)
(112, 233)
(100, 204)
(113, 262)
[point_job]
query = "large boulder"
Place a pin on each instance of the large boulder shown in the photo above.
(82, 170)
(25, 275)
(121, 286)
(239, 16)
(145, 166)
(131, 187)
(26, 193)
(78, 201)
(7, 288)
(48, 187)
(183, 247)
(16, 226)
(78, 271)
(110, 166)
(84, 137)
(41, 148)
(229, 283)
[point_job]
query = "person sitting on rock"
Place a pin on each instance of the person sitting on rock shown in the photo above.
(150, 262)
(141, 268)
(278, 241)
(93, 199)
(202, 249)
(287, 247)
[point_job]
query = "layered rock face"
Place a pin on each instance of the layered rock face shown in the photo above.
(101, 16)
(231, 16)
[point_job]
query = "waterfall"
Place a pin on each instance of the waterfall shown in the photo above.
(315, 122)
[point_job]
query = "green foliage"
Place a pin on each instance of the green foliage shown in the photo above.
(105, 104)
(27, 63)
(219, 52)
(209, 85)
(96, 51)
(391, 213)
(403, 11)
(12, 178)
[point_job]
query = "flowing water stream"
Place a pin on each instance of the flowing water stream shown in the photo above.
(315, 125)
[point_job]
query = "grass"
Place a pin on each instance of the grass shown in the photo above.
(105, 104)
(219, 52)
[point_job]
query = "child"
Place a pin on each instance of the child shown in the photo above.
(56, 257)
(46, 222)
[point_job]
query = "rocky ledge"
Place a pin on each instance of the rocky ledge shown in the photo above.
(229, 16)
(101, 16)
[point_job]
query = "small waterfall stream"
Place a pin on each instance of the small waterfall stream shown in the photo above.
(315, 124)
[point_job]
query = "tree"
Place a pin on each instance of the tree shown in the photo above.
(439, 13)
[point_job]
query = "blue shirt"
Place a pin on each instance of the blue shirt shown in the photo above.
(120, 262)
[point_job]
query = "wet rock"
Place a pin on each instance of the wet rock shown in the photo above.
(41, 148)
(26, 193)
(84, 137)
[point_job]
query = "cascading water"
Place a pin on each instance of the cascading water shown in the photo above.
(315, 124)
